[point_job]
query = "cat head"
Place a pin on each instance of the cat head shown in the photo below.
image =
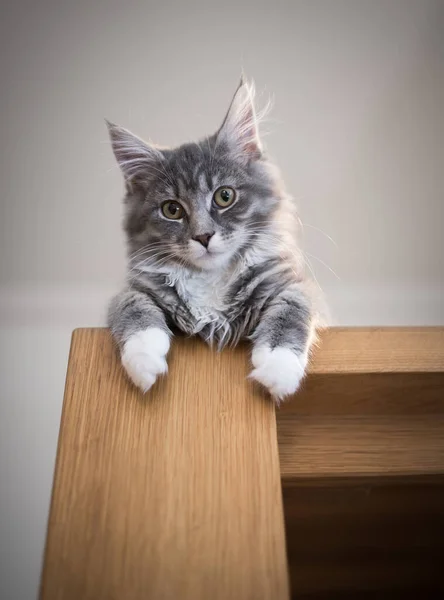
(200, 204)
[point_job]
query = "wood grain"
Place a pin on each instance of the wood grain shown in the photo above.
(373, 404)
(379, 350)
(362, 465)
(177, 495)
(366, 394)
(173, 495)
(322, 446)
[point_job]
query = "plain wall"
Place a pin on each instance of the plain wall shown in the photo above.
(357, 129)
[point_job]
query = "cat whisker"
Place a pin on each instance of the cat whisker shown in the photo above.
(145, 249)
(309, 265)
(325, 265)
(152, 259)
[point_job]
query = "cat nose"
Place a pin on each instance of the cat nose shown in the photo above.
(204, 239)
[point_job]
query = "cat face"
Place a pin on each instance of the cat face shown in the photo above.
(199, 205)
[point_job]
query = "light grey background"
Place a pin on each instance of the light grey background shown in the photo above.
(357, 128)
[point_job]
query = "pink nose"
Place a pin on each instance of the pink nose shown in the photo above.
(204, 239)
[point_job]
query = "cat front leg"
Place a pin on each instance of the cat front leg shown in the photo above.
(139, 327)
(282, 341)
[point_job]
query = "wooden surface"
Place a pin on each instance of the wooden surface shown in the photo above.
(374, 445)
(380, 350)
(372, 405)
(362, 538)
(178, 495)
(173, 496)
(362, 465)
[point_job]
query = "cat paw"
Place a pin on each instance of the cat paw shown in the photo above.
(143, 356)
(280, 370)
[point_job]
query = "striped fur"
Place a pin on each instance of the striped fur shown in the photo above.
(248, 283)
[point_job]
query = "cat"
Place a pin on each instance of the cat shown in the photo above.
(212, 251)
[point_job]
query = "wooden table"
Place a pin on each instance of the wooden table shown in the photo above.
(193, 492)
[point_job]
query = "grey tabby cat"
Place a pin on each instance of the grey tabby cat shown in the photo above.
(212, 251)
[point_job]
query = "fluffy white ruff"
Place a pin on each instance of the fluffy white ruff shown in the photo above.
(280, 370)
(143, 356)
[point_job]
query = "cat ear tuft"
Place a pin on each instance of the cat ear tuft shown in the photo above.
(239, 130)
(135, 157)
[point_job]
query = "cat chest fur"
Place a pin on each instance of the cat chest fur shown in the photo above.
(205, 296)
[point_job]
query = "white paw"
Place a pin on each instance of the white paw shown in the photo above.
(143, 356)
(280, 370)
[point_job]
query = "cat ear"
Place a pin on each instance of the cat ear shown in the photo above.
(135, 157)
(240, 127)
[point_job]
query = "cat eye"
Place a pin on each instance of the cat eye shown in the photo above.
(172, 210)
(224, 197)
